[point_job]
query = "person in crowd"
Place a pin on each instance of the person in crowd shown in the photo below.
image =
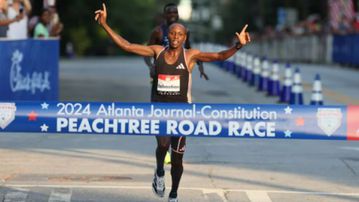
(313, 24)
(41, 30)
(4, 21)
(18, 29)
(355, 24)
(55, 27)
(48, 3)
(344, 26)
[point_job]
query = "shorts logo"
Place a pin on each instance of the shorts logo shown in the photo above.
(329, 120)
(181, 66)
(7, 114)
(183, 149)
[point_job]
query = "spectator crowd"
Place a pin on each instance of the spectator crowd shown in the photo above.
(313, 24)
(17, 20)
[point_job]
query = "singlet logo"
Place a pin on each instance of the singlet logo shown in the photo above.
(181, 66)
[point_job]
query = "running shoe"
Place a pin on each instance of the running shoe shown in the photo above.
(158, 185)
(172, 199)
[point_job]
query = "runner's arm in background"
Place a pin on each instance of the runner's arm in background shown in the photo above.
(199, 63)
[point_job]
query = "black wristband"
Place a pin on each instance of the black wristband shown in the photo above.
(238, 45)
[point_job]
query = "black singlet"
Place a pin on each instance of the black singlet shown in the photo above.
(171, 82)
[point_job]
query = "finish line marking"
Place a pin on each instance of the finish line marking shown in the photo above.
(60, 195)
(205, 190)
(258, 196)
(18, 195)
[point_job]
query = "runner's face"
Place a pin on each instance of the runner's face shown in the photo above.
(171, 15)
(177, 36)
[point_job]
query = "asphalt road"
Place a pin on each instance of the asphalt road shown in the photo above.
(39, 168)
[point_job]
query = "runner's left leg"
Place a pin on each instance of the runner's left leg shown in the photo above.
(178, 148)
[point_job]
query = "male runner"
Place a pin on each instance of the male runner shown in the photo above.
(159, 36)
(171, 83)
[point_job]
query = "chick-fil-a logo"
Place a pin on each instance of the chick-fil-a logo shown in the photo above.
(28, 82)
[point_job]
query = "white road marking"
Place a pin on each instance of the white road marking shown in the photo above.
(18, 195)
(350, 148)
(219, 192)
(183, 188)
(60, 195)
(258, 196)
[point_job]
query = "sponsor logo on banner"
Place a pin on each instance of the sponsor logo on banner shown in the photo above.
(7, 114)
(29, 82)
(329, 119)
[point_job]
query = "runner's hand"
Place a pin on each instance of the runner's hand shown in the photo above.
(243, 36)
(101, 15)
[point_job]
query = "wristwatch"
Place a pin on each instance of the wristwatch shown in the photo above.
(238, 45)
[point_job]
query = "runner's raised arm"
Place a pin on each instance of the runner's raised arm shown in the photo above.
(243, 38)
(101, 18)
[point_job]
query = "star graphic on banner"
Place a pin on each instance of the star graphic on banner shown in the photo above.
(32, 116)
(44, 128)
(300, 121)
(44, 106)
(288, 110)
(288, 133)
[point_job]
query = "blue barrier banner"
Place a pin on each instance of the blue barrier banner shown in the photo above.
(355, 50)
(197, 120)
(29, 70)
(345, 49)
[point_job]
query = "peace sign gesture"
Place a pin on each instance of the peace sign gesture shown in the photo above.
(243, 36)
(101, 15)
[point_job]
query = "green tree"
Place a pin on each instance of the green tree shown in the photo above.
(132, 19)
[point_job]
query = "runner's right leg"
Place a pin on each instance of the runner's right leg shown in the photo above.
(163, 144)
(158, 183)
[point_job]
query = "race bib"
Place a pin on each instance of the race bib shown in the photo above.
(168, 84)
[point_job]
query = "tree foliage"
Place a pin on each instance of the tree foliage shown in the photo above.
(133, 19)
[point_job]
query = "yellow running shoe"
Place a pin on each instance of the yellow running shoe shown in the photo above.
(168, 158)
